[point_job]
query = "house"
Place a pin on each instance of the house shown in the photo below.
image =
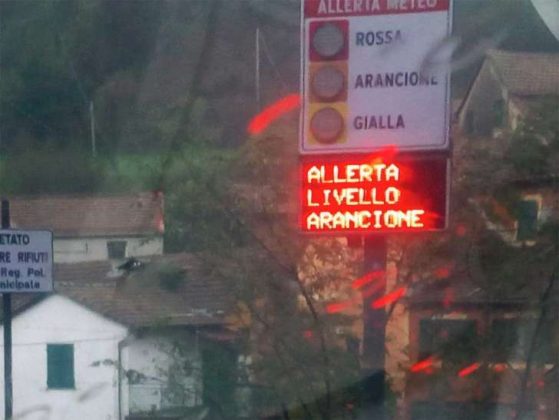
(504, 89)
(511, 88)
(148, 339)
(93, 228)
(482, 334)
(469, 354)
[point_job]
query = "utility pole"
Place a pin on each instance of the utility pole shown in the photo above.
(257, 70)
(92, 128)
(374, 324)
(7, 310)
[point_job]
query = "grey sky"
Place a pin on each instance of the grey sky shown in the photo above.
(549, 12)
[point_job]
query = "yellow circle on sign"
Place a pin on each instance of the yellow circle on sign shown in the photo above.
(327, 125)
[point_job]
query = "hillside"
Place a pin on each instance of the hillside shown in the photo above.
(158, 72)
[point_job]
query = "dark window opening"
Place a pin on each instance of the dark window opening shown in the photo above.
(116, 250)
(454, 341)
(511, 340)
(527, 215)
(60, 366)
(499, 113)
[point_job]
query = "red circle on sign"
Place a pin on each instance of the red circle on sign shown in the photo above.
(324, 32)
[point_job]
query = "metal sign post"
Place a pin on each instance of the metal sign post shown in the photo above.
(7, 309)
(374, 321)
(25, 267)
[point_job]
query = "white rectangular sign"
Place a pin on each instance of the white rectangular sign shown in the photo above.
(396, 71)
(25, 261)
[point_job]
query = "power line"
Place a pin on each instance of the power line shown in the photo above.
(271, 61)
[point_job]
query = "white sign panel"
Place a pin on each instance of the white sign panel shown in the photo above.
(25, 261)
(395, 72)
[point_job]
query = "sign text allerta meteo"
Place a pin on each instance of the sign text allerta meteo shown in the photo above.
(25, 261)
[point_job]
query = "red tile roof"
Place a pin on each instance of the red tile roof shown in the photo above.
(140, 298)
(462, 289)
(527, 74)
(71, 216)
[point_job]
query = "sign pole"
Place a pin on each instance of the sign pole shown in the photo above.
(7, 309)
(374, 322)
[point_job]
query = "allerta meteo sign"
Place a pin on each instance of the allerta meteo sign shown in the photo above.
(368, 194)
(25, 261)
(374, 74)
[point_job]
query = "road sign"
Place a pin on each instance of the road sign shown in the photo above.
(25, 261)
(375, 73)
(371, 194)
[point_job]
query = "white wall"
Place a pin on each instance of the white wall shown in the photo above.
(70, 250)
(60, 320)
(155, 357)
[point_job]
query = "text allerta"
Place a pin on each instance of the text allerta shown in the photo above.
(353, 173)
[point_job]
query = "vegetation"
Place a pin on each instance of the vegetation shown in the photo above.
(486, 255)
(534, 149)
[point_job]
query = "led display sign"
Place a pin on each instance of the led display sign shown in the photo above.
(367, 194)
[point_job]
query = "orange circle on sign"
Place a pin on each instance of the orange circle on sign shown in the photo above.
(328, 83)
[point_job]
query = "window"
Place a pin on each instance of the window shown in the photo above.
(511, 340)
(527, 216)
(116, 250)
(219, 375)
(60, 366)
(432, 410)
(498, 113)
(504, 340)
(352, 346)
(452, 340)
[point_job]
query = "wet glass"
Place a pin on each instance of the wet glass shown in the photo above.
(171, 248)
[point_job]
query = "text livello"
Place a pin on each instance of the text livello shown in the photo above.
(366, 193)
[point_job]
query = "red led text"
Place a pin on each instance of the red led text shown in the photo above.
(371, 196)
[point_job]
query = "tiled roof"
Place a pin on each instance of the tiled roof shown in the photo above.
(457, 294)
(140, 297)
(69, 216)
(527, 74)
(461, 290)
(22, 301)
